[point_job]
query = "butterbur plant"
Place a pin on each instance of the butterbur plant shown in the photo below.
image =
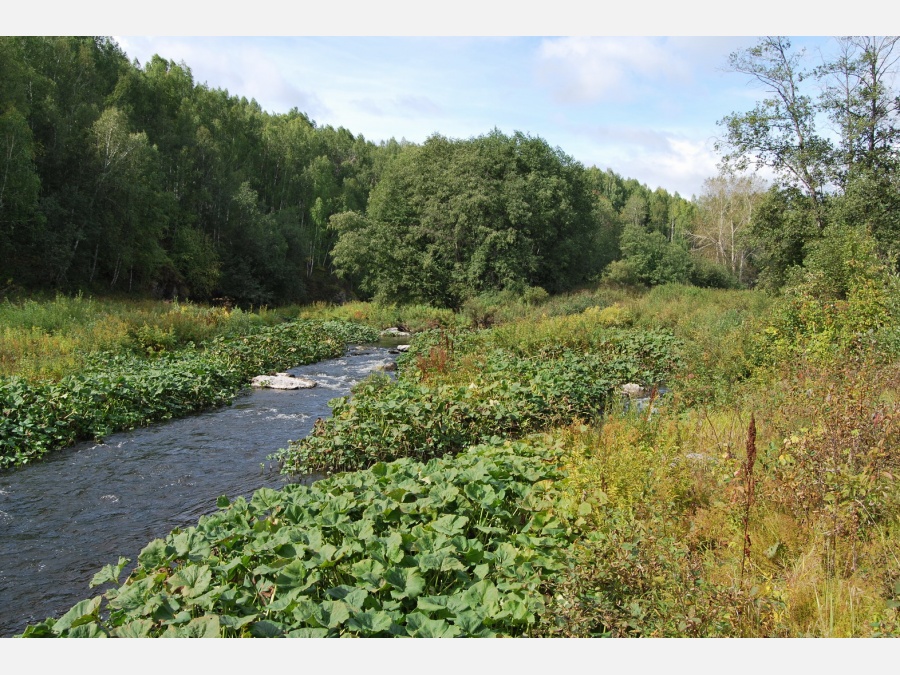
(452, 547)
(123, 391)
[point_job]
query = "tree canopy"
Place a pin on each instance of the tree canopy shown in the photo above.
(453, 218)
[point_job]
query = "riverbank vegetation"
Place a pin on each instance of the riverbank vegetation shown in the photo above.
(149, 377)
(503, 484)
(756, 497)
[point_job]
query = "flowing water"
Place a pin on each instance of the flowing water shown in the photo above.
(61, 520)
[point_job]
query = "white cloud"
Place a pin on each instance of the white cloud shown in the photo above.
(585, 69)
(672, 161)
(243, 68)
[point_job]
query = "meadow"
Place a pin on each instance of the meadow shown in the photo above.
(503, 485)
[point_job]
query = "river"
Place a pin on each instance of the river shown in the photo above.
(62, 519)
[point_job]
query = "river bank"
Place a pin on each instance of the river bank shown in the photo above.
(63, 519)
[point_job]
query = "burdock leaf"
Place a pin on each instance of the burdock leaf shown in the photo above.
(84, 612)
(109, 573)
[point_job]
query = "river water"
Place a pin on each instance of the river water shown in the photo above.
(63, 519)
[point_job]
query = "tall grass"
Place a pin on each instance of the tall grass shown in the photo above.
(53, 338)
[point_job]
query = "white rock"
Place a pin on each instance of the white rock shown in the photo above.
(402, 348)
(632, 390)
(282, 381)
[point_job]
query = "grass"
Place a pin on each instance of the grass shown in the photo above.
(53, 338)
(667, 535)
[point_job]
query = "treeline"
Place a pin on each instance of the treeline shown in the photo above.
(118, 178)
(122, 178)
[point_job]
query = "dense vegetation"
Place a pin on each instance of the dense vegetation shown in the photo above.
(493, 393)
(448, 548)
(126, 178)
(502, 485)
(116, 391)
(120, 178)
(758, 497)
(451, 219)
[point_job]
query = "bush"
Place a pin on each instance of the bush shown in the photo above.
(707, 274)
(648, 258)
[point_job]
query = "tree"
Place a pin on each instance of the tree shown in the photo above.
(780, 132)
(780, 229)
(451, 219)
(19, 185)
(636, 210)
(725, 211)
(859, 99)
(649, 258)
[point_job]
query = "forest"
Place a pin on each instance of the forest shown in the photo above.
(135, 180)
(622, 412)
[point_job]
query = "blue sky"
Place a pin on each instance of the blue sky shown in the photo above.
(646, 107)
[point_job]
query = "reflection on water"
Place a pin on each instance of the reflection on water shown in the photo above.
(63, 519)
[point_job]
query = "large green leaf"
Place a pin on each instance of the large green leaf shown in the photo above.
(420, 625)
(191, 580)
(267, 629)
(155, 554)
(354, 597)
(483, 597)
(370, 622)
(82, 613)
(292, 575)
(139, 628)
(308, 633)
(449, 524)
(369, 574)
(87, 630)
(201, 627)
(407, 582)
(332, 613)
(110, 573)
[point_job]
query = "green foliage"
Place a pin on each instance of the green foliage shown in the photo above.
(844, 298)
(122, 392)
(871, 199)
(535, 295)
(414, 318)
(122, 178)
(449, 548)
(841, 261)
(648, 258)
(630, 526)
(716, 329)
(47, 339)
(453, 219)
(438, 407)
(855, 89)
(707, 274)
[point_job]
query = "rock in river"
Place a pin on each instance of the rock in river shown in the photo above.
(282, 381)
(632, 390)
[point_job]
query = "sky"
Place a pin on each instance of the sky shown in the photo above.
(646, 107)
(610, 90)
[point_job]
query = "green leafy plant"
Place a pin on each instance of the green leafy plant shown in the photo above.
(452, 547)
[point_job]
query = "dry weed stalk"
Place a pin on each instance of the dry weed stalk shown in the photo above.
(749, 490)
